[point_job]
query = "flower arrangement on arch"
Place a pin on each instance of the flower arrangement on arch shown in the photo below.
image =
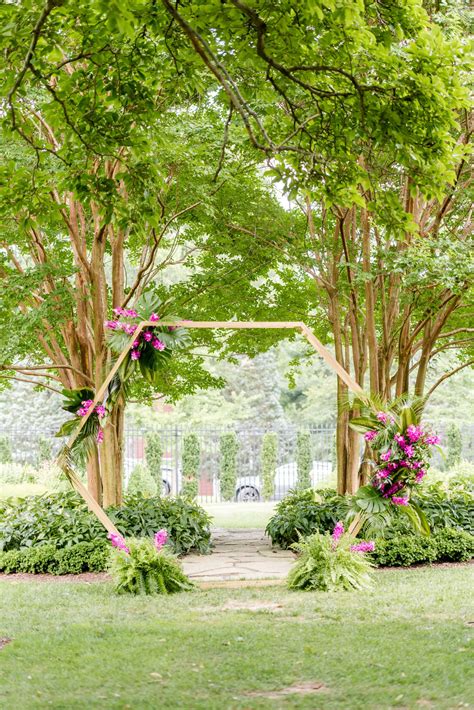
(402, 448)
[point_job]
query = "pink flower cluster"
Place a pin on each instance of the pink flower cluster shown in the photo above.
(404, 463)
(147, 336)
(161, 538)
(338, 531)
(118, 542)
(363, 547)
(86, 406)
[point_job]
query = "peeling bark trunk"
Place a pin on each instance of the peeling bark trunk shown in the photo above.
(111, 458)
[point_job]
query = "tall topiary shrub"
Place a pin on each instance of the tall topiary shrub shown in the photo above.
(304, 459)
(45, 450)
(141, 481)
(153, 456)
(454, 440)
(229, 447)
(269, 463)
(5, 450)
(191, 462)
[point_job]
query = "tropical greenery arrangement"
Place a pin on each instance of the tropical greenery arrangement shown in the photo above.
(331, 562)
(400, 448)
(141, 566)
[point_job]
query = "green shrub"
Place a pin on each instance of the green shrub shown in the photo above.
(63, 520)
(153, 456)
(269, 464)
(447, 505)
(404, 550)
(83, 557)
(146, 570)
(17, 473)
(6, 455)
(45, 451)
(328, 566)
(454, 441)
(302, 513)
(142, 482)
(454, 545)
(191, 464)
(229, 447)
(304, 459)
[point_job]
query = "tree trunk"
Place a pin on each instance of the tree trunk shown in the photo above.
(111, 457)
(94, 483)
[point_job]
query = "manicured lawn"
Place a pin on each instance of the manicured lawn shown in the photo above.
(21, 490)
(239, 515)
(404, 645)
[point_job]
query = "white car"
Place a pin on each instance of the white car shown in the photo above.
(249, 488)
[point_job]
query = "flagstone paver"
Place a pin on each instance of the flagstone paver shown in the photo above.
(239, 555)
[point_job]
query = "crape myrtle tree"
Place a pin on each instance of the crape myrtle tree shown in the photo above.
(361, 113)
(112, 163)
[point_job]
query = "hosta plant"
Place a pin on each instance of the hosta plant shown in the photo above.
(141, 566)
(331, 562)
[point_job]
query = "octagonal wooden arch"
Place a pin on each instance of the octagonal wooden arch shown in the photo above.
(63, 458)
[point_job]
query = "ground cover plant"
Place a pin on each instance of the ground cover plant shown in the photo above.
(63, 520)
(232, 648)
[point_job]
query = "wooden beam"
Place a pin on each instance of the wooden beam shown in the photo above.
(327, 356)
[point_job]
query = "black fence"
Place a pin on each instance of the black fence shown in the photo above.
(31, 447)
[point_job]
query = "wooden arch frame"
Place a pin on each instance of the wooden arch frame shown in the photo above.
(327, 356)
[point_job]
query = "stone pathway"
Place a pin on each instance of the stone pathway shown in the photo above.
(239, 555)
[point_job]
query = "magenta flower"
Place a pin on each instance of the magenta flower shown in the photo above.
(154, 317)
(84, 409)
(148, 336)
(420, 475)
(129, 328)
(100, 410)
(414, 433)
(363, 547)
(409, 450)
(160, 538)
(386, 455)
(400, 500)
(131, 313)
(157, 344)
(120, 311)
(338, 531)
(383, 473)
(432, 440)
(135, 355)
(382, 417)
(135, 344)
(399, 439)
(112, 324)
(370, 435)
(100, 436)
(118, 542)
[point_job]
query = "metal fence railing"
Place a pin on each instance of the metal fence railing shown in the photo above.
(29, 447)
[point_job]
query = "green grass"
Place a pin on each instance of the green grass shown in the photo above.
(239, 515)
(404, 645)
(21, 490)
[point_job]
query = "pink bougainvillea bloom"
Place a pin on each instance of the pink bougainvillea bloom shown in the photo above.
(338, 531)
(420, 475)
(85, 406)
(154, 317)
(432, 440)
(135, 354)
(409, 451)
(392, 466)
(148, 336)
(414, 433)
(131, 313)
(386, 456)
(399, 439)
(135, 343)
(129, 328)
(382, 417)
(383, 473)
(160, 538)
(120, 311)
(100, 436)
(400, 500)
(370, 435)
(118, 541)
(112, 324)
(157, 344)
(363, 547)
(100, 410)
